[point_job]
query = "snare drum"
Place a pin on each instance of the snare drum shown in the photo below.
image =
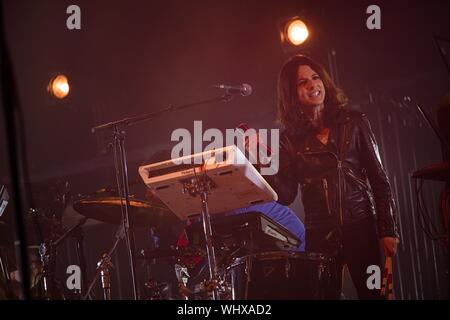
(280, 275)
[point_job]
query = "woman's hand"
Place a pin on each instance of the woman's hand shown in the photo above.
(389, 245)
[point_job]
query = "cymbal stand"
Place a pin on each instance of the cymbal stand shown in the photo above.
(46, 252)
(103, 268)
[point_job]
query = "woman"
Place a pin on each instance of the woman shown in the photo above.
(332, 154)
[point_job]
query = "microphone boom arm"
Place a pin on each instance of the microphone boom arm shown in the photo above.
(149, 116)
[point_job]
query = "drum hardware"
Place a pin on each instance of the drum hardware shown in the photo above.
(103, 267)
(152, 288)
(202, 188)
(183, 276)
(207, 287)
(185, 259)
(157, 290)
(46, 252)
(204, 289)
(184, 292)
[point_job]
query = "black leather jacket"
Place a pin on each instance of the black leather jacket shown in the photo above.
(334, 177)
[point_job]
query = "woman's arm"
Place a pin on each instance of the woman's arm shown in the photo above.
(284, 182)
(384, 201)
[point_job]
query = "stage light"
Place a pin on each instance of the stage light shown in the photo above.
(296, 32)
(59, 86)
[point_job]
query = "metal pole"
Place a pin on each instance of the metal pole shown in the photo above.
(104, 265)
(81, 258)
(209, 241)
(129, 236)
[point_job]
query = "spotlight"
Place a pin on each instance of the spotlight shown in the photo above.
(59, 87)
(297, 32)
(294, 32)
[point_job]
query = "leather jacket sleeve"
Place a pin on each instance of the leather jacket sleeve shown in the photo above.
(284, 182)
(371, 161)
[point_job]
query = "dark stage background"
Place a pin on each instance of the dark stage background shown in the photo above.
(134, 57)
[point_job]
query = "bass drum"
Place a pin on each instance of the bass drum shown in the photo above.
(280, 275)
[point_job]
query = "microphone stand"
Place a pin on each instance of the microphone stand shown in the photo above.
(119, 143)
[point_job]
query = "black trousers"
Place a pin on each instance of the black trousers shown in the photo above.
(356, 245)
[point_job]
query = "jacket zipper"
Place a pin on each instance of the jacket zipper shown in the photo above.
(339, 167)
(340, 191)
(340, 172)
(340, 175)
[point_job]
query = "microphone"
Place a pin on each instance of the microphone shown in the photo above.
(244, 89)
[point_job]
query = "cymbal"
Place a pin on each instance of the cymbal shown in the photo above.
(71, 217)
(109, 210)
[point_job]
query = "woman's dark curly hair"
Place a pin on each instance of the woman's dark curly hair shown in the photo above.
(289, 111)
